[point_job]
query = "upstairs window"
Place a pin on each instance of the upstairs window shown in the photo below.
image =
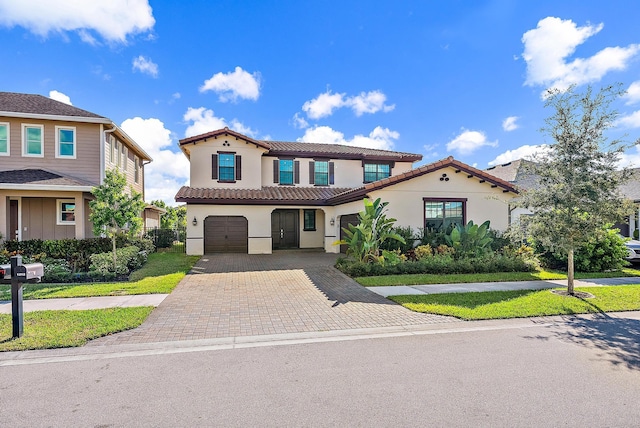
(136, 166)
(4, 139)
(226, 167)
(125, 157)
(439, 214)
(32, 140)
(65, 142)
(286, 171)
(112, 148)
(376, 171)
(321, 172)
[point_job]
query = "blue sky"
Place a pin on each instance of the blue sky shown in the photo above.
(461, 78)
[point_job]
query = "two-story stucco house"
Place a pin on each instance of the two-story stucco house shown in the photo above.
(253, 196)
(51, 155)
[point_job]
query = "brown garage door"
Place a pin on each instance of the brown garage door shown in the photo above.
(226, 234)
(346, 220)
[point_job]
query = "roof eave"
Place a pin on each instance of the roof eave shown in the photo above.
(83, 119)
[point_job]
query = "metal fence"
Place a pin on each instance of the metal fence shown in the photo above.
(168, 240)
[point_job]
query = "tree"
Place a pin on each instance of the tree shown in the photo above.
(577, 192)
(174, 218)
(113, 211)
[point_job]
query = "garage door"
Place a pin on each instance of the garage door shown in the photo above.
(345, 221)
(226, 234)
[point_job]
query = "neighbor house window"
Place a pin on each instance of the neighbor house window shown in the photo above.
(125, 157)
(136, 165)
(116, 149)
(226, 167)
(376, 171)
(286, 171)
(4, 139)
(321, 172)
(66, 211)
(310, 220)
(439, 214)
(112, 147)
(65, 142)
(32, 140)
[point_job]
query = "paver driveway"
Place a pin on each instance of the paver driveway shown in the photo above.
(228, 295)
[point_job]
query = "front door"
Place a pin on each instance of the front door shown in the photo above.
(284, 229)
(13, 220)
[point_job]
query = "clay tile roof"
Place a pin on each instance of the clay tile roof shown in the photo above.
(38, 104)
(360, 192)
(40, 177)
(282, 195)
(338, 151)
(219, 132)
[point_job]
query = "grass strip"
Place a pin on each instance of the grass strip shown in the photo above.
(62, 329)
(160, 275)
(541, 275)
(522, 303)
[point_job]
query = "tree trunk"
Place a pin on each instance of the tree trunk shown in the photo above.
(113, 244)
(570, 272)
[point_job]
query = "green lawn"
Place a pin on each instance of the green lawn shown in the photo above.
(522, 303)
(418, 279)
(161, 273)
(61, 329)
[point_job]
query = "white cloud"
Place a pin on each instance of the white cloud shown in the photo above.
(509, 124)
(522, 152)
(369, 102)
(633, 93)
(430, 150)
(323, 105)
(629, 121)
(59, 96)
(469, 141)
(234, 85)
(630, 159)
(204, 120)
(145, 66)
(366, 102)
(169, 170)
(379, 138)
(547, 47)
(113, 20)
(299, 121)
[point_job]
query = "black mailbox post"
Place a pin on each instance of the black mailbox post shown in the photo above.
(18, 276)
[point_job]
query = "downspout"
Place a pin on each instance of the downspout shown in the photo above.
(103, 161)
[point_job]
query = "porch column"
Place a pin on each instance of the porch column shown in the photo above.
(4, 217)
(638, 220)
(79, 214)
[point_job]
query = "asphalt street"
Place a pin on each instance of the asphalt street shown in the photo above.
(564, 372)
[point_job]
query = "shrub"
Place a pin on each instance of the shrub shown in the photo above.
(162, 238)
(470, 240)
(405, 233)
(422, 251)
(605, 252)
(127, 259)
(56, 270)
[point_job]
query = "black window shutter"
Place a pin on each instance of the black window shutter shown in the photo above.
(312, 171)
(296, 172)
(331, 179)
(214, 167)
(238, 167)
(276, 171)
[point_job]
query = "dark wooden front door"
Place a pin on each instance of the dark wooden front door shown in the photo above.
(13, 220)
(226, 234)
(345, 221)
(285, 229)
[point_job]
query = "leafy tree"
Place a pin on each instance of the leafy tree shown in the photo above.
(113, 211)
(364, 240)
(577, 192)
(175, 217)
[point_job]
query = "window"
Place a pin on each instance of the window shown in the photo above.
(66, 211)
(65, 142)
(286, 171)
(376, 171)
(116, 149)
(125, 157)
(226, 166)
(439, 214)
(321, 172)
(32, 140)
(136, 167)
(4, 139)
(112, 147)
(309, 220)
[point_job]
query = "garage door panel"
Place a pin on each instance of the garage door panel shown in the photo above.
(226, 234)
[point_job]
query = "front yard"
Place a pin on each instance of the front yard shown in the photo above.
(59, 329)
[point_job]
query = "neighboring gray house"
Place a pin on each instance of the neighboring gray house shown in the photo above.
(515, 172)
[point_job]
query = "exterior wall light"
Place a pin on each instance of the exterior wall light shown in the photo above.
(195, 221)
(332, 221)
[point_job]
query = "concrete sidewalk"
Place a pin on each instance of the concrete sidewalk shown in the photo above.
(83, 303)
(497, 286)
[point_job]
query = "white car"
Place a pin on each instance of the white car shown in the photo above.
(633, 248)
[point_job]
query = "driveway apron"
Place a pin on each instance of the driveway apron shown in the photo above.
(228, 295)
